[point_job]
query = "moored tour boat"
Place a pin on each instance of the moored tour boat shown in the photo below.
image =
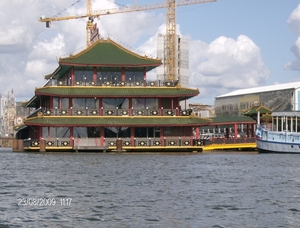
(283, 136)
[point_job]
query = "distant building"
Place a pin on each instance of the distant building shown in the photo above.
(282, 97)
(182, 54)
(12, 113)
(8, 114)
(202, 110)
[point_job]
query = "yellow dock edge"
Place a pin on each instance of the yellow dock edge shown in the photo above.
(244, 146)
(235, 146)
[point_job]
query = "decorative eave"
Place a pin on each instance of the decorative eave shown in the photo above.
(107, 54)
(31, 103)
(117, 121)
(135, 91)
(255, 109)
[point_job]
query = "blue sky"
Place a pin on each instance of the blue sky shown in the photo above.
(234, 44)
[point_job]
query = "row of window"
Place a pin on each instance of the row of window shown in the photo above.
(94, 132)
(103, 76)
(108, 103)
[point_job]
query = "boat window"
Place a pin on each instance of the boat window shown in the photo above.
(63, 132)
(152, 103)
(80, 132)
(64, 103)
(138, 103)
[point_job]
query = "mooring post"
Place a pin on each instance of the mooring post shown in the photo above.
(42, 145)
(119, 145)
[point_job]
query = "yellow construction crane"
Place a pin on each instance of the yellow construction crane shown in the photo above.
(170, 5)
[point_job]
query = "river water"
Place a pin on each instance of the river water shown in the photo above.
(149, 190)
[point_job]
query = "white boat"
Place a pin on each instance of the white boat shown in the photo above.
(283, 136)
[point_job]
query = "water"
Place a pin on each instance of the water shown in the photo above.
(149, 190)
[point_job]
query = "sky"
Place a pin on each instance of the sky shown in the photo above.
(234, 44)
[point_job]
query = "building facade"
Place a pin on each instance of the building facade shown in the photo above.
(8, 114)
(282, 97)
(182, 59)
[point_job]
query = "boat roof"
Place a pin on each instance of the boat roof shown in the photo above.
(114, 121)
(105, 53)
(111, 92)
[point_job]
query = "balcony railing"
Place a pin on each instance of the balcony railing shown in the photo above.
(105, 83)
(97, 143)
(116, 112)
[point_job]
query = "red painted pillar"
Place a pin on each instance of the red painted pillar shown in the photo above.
(159, 106)
(100, 106)
(197, 133)
(130, 106)
(95, 75)
(145, 78)
(40, 132)
(72, 76)
(102, 141)
(123, 74)
(235, 131)
(162, 137)
(60, 103)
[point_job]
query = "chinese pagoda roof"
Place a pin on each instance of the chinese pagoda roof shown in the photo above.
(105, 53)
(255, 109)
(110, 92)
(116, 121)
(135, 91)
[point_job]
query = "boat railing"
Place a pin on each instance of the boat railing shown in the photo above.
(152, 142)
(116, 112)
(230, 140)
(98, 143)
(49, 142)
(113, 83)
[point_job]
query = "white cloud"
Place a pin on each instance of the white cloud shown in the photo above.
(294, 22)
(30, 50)
(226, 64)
(294, 19)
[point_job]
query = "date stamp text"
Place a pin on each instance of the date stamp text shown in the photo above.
(44, 202)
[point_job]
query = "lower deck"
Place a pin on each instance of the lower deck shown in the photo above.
(166, 144)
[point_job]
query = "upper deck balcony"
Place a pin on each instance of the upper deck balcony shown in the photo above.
(115, 112)
(112, 83)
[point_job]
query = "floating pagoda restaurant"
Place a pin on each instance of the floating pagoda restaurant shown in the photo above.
(101, 100)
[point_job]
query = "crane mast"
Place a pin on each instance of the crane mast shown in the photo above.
(171, 35)
(89, 23)
(171, 48)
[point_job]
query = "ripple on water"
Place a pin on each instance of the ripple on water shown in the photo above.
(153, 190)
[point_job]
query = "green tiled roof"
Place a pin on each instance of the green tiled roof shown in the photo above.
(94, 91)
(254, 110)
(232, 119)
(109, 53)
(116, 121)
